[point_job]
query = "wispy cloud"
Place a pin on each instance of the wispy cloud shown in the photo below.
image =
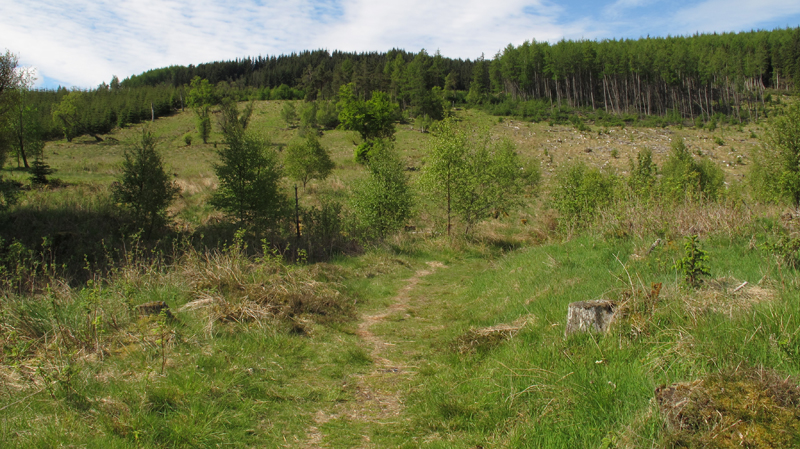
(84, 42)
(736, 15)
(462, 29)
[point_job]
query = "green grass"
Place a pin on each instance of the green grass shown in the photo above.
(269, 363)
(544, 390)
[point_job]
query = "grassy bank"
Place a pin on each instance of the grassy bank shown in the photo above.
(419, 340)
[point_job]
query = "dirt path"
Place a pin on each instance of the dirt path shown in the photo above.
(377, 400)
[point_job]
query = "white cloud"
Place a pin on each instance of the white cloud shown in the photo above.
(734, 15)
(621, 8)
(84, 42)
(462, 29)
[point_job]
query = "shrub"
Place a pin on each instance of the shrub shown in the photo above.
(580, 191)
(289, 114)
(474, 177)
(684, 177)
(423, 122)
(308, 119)
(787, 250)
(693, 264)
(308, 160)
(775, 172)
(9, 193)
(39, 172)
(643, 174)
(383, 201)
(203, 122)
(323, 229)
(327, 115)
(187, 139)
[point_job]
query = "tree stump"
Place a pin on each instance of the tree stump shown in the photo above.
(154, 308)
(585, 316)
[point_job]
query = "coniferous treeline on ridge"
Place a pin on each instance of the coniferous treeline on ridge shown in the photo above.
(317, 73)
(100, 110)
(692, 77)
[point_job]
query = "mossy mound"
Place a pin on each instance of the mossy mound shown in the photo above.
(752, 408)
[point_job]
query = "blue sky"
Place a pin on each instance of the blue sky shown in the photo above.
(82, 43)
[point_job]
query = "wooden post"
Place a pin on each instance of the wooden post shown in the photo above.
(297, 213)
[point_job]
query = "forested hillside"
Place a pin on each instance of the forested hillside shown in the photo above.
(697, 75)
(350, 250)
(677, 78)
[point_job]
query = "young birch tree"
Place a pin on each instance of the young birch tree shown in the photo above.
(472, 176)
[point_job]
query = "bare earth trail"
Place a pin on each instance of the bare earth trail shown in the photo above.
(377, 399)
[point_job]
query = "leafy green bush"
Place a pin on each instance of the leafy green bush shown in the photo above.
(423, 122)
(372, 119)
(289, 113)
(327, 115)
(775, 172)
(383, 201)
(200, 98)
(580, 191)
(693, 265)
(308, 119)
(787, 250)
(307, 160)
(473, 177)
(643, 174)
(684, 177)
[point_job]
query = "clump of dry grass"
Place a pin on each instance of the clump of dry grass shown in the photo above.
(727, 295)
(633, 218)
(745, 408)
(486, 338)
(635, 310)
(237, 288)
(224, 286)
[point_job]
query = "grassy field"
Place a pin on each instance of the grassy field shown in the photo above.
(417, 341)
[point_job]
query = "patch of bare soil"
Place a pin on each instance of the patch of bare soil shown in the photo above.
(377, 400)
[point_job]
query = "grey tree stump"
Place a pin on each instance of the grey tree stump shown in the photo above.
(154, 308)
(585, 316)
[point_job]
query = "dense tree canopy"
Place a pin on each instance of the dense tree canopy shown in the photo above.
(688, 77)
(694, 76)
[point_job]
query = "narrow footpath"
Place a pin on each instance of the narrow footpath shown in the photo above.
(377, 399)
